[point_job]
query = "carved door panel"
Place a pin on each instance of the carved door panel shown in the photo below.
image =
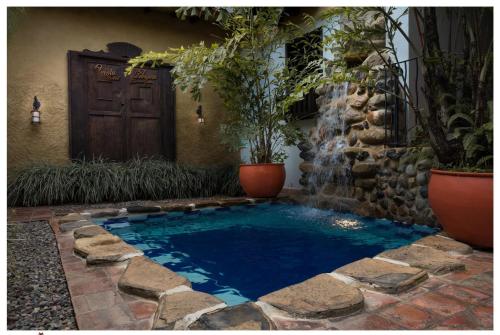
(143, 117)
(106, 95)
(119, 117)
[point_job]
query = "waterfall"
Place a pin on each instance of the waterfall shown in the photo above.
(330, 172)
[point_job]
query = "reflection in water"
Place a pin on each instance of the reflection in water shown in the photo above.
(244, 253)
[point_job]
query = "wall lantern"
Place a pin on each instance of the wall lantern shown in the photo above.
(199, 112)
(35, 113)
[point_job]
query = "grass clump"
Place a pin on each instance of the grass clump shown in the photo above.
(98, 181)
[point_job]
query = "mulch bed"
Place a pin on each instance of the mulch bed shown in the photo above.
(37, 293)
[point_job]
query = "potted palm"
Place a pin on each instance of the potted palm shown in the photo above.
(457, 88)
(247, 71)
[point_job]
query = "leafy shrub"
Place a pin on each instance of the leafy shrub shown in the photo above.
(102, 181)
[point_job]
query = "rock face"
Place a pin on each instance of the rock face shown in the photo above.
(174, 308)
(319, 297)
(445, 244)
(432, 260)
(383, 276)
(246, 316)
(398, 185)
(148, 279)
(89, 231)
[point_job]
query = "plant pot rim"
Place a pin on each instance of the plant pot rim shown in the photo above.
(262, 164)
(463, 174)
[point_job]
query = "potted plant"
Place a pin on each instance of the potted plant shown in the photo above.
(457, 121)
(246, 69)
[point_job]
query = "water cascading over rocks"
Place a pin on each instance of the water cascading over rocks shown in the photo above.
(347, 165)
(329, 169)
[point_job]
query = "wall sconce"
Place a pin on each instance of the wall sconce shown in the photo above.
(35, 113)
(199, 112)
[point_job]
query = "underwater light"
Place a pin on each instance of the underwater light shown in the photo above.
(345, 223)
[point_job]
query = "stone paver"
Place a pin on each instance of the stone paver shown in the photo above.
(143, 209)
(148, 279)
(366, 322)
(439, 303)
(444, 244)
(319, 297)
(434, 261)
(70, 218)
(89, 231)
(69, 226)
(85, 246)
(409, 316)
(383, 276)
(176, 207)
(100, 212)
(117, 252)
(246, 316)
(105, 248)
(173, 308)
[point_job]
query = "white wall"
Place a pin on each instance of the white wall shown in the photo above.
(293, 160)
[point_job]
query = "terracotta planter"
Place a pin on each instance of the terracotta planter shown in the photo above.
(262, 180)
(463, 205)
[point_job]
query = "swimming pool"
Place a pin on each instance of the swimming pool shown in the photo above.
(241, 253)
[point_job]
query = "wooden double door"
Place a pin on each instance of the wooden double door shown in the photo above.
(119, 117)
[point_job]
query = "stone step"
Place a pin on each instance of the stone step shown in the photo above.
(72, 225)
(104, 248)
(446, 244)
(143, 209)
(148, 279)
(100, 212)
(177, 311)
(111, 253)
(383, 276)
(89, 231)
(322, 296)
(432, 260)
(246, 316)
(85, 246)
(70, 218)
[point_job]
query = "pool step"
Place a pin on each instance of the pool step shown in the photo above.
(382, 276)
(445, 244)
(432, 260)
(247, 316)
(104, 248)
(322, 296)
(148, 279)
(179, 310)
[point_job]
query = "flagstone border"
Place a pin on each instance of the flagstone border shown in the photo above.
(455, 300)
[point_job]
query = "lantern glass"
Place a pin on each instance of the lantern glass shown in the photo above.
(35, 117)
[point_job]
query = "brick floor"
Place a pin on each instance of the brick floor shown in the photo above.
(460, 300)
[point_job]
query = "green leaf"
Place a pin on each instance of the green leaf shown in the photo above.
(459, 116)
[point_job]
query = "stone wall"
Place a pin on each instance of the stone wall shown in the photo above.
(363, 175)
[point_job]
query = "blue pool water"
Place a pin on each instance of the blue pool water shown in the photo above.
(244, 252)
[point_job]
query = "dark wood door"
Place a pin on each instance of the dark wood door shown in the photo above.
(119, 117)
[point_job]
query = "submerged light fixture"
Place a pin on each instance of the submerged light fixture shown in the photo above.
(35, 112)
(199, 112)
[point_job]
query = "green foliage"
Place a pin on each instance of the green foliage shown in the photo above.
(256, 89)
(101, 181)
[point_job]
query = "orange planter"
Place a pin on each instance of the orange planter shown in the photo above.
(262, 180)
(463, 205)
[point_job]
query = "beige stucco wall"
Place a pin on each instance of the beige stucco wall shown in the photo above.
(37, 65)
